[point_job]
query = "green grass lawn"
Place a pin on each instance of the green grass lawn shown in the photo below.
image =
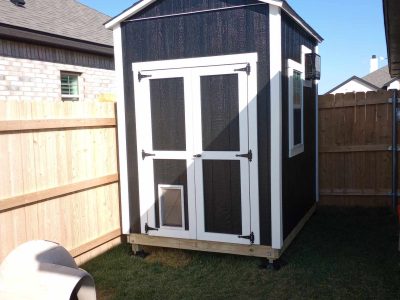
(340, 254)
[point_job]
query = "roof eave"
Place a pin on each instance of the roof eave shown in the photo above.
(23, 34)
(392, 30)
(114, 22)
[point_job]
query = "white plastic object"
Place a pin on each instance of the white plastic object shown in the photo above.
(43, 270)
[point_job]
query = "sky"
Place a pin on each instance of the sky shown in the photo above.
(353, 31)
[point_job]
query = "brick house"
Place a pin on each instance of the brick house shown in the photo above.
(54, 50)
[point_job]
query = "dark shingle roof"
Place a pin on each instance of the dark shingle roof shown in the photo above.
(67, 18)
(379, 78)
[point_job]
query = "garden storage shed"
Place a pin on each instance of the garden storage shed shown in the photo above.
(216, 124)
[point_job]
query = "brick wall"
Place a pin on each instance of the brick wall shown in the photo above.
(24, 79)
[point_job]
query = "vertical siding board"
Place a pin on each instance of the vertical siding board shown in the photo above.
(30, 51)
(298, 187)
(232, 31)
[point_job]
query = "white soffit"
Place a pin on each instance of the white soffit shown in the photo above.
(144, 3)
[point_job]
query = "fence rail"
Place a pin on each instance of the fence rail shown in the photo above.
(355, 142)
(59, 176)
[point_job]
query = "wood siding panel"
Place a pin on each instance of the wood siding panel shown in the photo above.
(168, 7)
(30, 51)
(222, 196)
(298, 182)
(220, 112)
(168, 114)
(232, 31)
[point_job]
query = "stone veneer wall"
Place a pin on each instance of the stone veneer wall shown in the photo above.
(34, 80)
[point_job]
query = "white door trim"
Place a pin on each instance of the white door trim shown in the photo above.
(223, 155)
(207, 61)
(188, 69)
(145, 166)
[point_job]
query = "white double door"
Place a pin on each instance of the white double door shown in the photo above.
(196, 157)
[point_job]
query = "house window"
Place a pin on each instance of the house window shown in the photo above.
(69, 86)
(296, 108)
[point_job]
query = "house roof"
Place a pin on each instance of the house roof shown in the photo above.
(63, 19)
(377, 80)
(391, 12)
(356, 78)
(142, 4)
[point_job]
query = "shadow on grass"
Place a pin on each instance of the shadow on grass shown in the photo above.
(341, 253)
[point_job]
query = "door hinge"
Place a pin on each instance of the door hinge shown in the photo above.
(248, 155)
(147, 228)
(248, 237)
(144, 154)
(246, 69)
(141, 76)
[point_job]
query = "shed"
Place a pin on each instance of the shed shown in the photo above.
(217, 124)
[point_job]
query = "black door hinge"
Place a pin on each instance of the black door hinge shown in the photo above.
(144, 154)
(245, 69)
(147, 228)
(248, 237)
(141, 76)
(248, 155)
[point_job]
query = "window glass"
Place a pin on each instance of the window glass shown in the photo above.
(297, 108)
(70, 86)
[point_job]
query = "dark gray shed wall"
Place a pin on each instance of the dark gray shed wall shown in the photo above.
(298, 182)
(221, 32)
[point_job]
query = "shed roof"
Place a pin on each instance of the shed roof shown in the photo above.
(142, 4)
(67, 18)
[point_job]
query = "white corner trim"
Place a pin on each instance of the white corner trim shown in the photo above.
(123, 168)
(275, 35)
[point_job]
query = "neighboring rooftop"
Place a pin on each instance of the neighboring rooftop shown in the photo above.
(379, 78)
(66, 18)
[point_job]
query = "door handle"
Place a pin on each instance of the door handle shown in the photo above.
(144, 154)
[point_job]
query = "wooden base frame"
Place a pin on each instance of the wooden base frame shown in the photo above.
(207, 246)
(247, 250)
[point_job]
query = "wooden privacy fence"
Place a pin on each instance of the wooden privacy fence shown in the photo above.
(58, 176)
(355, 139)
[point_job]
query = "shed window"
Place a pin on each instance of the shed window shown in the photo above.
(296, 108)
(69, 86)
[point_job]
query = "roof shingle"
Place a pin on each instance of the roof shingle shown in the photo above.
(67, 18)
(379, 77)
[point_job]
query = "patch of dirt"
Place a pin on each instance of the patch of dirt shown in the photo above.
(174, 258)
(105, 294)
